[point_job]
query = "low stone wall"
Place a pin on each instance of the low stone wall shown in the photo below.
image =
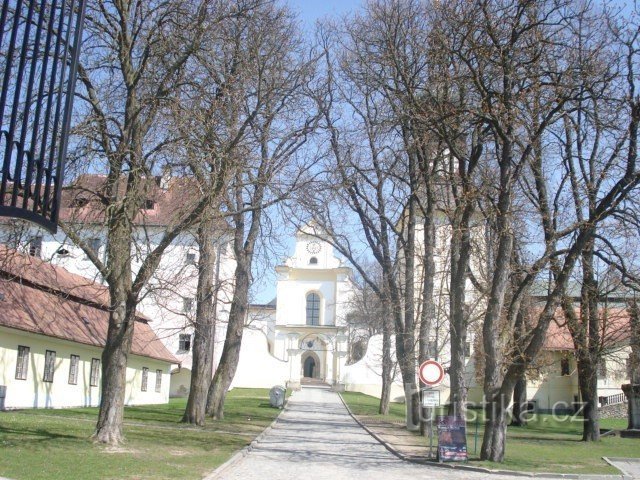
(618, 410)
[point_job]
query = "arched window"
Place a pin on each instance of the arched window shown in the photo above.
(313, 309)
(313, 261)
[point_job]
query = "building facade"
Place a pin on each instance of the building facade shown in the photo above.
(300, 337)
(169, 299)
(53, 327)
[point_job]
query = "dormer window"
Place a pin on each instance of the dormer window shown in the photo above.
(149, 204)
(79, 202)
(313, 261)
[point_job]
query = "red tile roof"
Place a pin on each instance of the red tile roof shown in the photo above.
(176, 198)
(40, 298)
(615, 327)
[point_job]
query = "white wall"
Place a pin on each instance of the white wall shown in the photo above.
(35, 393)
(257, 368)
(174, 279)
(365, 376)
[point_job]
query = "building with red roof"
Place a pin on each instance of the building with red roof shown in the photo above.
(53, 326)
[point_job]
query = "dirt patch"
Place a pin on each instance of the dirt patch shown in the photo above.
(121, 449)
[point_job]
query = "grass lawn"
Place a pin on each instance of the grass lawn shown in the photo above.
(544, 445)
(55, 444)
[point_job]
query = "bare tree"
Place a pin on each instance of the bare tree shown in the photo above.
(133, 63)
(271, 164)
(514, 58)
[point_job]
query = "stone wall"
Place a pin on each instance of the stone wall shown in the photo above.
(619, 410)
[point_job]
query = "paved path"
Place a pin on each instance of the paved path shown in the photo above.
(315, 438)
(629, 465)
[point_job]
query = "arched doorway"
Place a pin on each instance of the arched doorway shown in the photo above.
(309, 369)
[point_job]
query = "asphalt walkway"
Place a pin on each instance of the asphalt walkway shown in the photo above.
(316, 438)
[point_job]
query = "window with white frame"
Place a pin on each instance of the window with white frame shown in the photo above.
(145, 379)
(95, 372)
(602, 368)
(74, 362)
(184, 343)
(187, 305)
(432, 347)
(191, 258)
(565, 367)
(158, 380)
(35, 246)
(94, 244)
(22, 365)
(313, 309)
(49, 365)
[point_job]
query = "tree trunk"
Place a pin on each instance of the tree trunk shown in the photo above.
(460, 245)
(428, 305)
(495, 430)
(588, 382)
(119, 334)
(589, 377)
(519, 402)
(233, 340)
(114, 372)
(387, 367)
(204, 332)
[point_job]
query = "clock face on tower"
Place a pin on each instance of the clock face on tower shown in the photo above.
(313, 247)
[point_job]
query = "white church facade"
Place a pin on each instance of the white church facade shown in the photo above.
(300, 337)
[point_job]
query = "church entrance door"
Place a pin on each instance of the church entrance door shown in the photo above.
(310, 369)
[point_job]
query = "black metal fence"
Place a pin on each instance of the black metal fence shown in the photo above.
(39, 45)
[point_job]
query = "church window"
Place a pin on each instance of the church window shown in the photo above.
(187, 305)
(158, 381)
(313, 309)
(74, 363)
(49, 365)
(22, 365)
(313, 261)
(95, 372)
(602, 368)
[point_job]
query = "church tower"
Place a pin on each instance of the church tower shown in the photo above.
(313, 294)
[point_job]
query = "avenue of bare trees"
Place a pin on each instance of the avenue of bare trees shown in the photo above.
(513, 123)
(215, 92)
(456, 153)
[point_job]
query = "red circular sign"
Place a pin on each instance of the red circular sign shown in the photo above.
(431, 373)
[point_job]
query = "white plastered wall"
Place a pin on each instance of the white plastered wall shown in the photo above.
(35, 393)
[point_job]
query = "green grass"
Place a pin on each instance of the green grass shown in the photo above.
(544, 445)
(55, 444)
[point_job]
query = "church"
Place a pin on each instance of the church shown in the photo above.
(300, 337)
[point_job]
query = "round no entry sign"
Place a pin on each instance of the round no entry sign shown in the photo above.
(431, 373)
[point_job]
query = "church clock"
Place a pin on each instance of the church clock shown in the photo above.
(313, 247)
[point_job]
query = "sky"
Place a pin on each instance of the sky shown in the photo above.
(312, 10)
(309, 11)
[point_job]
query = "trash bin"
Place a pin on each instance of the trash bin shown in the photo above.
(276, 396)
(3, 395)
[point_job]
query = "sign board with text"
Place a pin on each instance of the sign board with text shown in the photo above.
(452, 439)
(430, 398)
